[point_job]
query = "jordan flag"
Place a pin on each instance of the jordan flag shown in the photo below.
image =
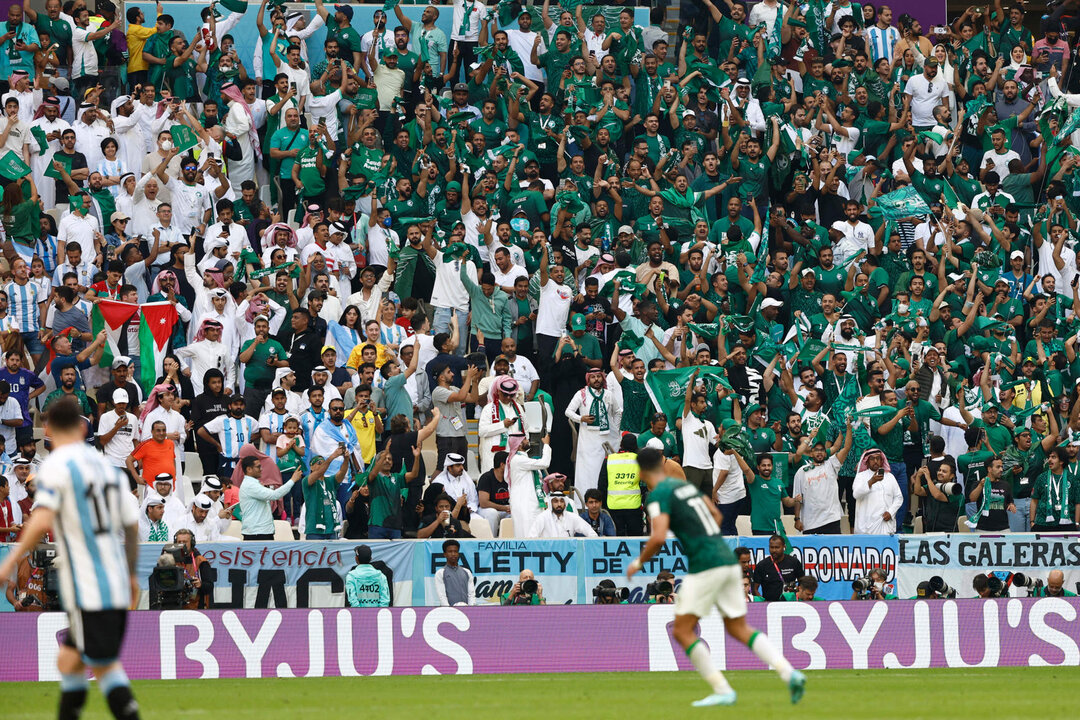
(110, 316)
(155, 330)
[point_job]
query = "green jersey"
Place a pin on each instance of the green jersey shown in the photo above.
(693, 524)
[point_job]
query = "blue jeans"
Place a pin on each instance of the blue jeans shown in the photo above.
(32, 342)
(1018, 521)
(730, 512)
(377, 532)
(441, 324)
(321, 536)
(899, 471)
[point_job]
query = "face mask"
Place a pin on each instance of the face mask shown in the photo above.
(166, 145)
(387, 222)
(520, 224)
(901, 308)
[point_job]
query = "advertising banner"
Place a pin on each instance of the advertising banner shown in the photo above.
(497, 564)
(958, 558)
(835, 560)
(478, 640)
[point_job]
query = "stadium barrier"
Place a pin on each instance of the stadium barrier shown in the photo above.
(958, 558)
(480, 640)
(308, 573)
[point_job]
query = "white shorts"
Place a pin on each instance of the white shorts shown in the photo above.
(719, 587)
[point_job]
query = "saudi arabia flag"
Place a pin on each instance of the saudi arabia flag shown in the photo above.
(110, 316)
(155, 329)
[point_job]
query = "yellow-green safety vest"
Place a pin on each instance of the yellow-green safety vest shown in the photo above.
(624, 487)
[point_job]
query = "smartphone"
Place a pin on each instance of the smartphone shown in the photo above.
(292, 86)
(939, 30)
(321, 120)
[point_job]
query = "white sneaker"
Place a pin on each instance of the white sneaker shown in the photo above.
(727, 698)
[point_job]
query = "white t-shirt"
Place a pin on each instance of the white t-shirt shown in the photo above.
(554, 308)
(734, 488)
(821, 499)
(925, 96)
(696, 436)
(123, 442)
(856, 238)
(189, 202)
(10, 410)
(1001, 161)
(83, 54)
(448, 291)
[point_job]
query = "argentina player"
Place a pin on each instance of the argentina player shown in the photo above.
(79, 497)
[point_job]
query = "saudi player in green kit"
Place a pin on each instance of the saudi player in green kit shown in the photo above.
(715, 578)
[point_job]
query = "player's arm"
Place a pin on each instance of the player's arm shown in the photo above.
(131, 551)
(660, 524)
(41, 521)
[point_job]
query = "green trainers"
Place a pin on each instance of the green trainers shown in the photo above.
(797, 686)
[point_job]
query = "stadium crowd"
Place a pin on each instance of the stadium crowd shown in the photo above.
(824, 259)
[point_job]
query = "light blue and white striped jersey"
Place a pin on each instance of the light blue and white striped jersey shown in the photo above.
(273, 421)
(882, 42)
(23, 305)
(232, 433)
(47, 250)
(309, 420)
(85, 491)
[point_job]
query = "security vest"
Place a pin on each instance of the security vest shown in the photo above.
(624, 487)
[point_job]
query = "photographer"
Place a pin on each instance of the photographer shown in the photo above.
(170, 586)
(526, 591)
(872, 587)
(27, 594)
(942, 505)
(193, 565)
(777, 570)
(1055, 586)
(661, 592)
(804, 591)
(606, 593)
(988, 586)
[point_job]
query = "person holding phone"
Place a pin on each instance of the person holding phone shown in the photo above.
(877, 495)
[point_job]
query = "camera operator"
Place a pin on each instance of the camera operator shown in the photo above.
(873, 586)
(1055, 586)
(194, 565)
(988, 586)
(606, 593)
(169, 586)
(27, 593)
(943, 497)
(804, 590)
(661, 592)
(777, 570)
(526, 591)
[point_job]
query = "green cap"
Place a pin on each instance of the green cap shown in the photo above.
(577, 322)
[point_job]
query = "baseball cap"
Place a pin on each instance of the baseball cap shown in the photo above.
(770, 302)
(119, 395)
(626, 229)
(461, 86)
(577, 322)
(1016, 253)
(118, 215)
(344, 10)
(121, 361)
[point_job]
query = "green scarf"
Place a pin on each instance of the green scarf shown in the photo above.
(501, 416)
(538, 488)
(159, 532)
(1057, 513)
(598, 409)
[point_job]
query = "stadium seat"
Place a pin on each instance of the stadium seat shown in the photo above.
(480, 528)
(961, 525)
(264, 194)
(55, 214)
(742, 525)
(789, 525)
(845, 524)
(506, 528)
(283, 531)
(917, 526)
(234, 530)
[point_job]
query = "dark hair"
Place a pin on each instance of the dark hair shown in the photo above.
(500, 458)
(450, 543)
(249, 462)
(64, 415)
(809, 582)
(742, 550)
(650, 459)
(593, 494)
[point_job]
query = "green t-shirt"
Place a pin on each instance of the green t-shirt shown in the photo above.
(790, 597)
(892, 442)
(693, 524)
(319, 502)
(765, 502)
(310, 176)
(671, 445)
(387, 492)
(972, 466)
(286, 139)
(22, 224)
(257, 373)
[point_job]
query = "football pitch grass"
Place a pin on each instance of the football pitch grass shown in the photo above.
(831, 694)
